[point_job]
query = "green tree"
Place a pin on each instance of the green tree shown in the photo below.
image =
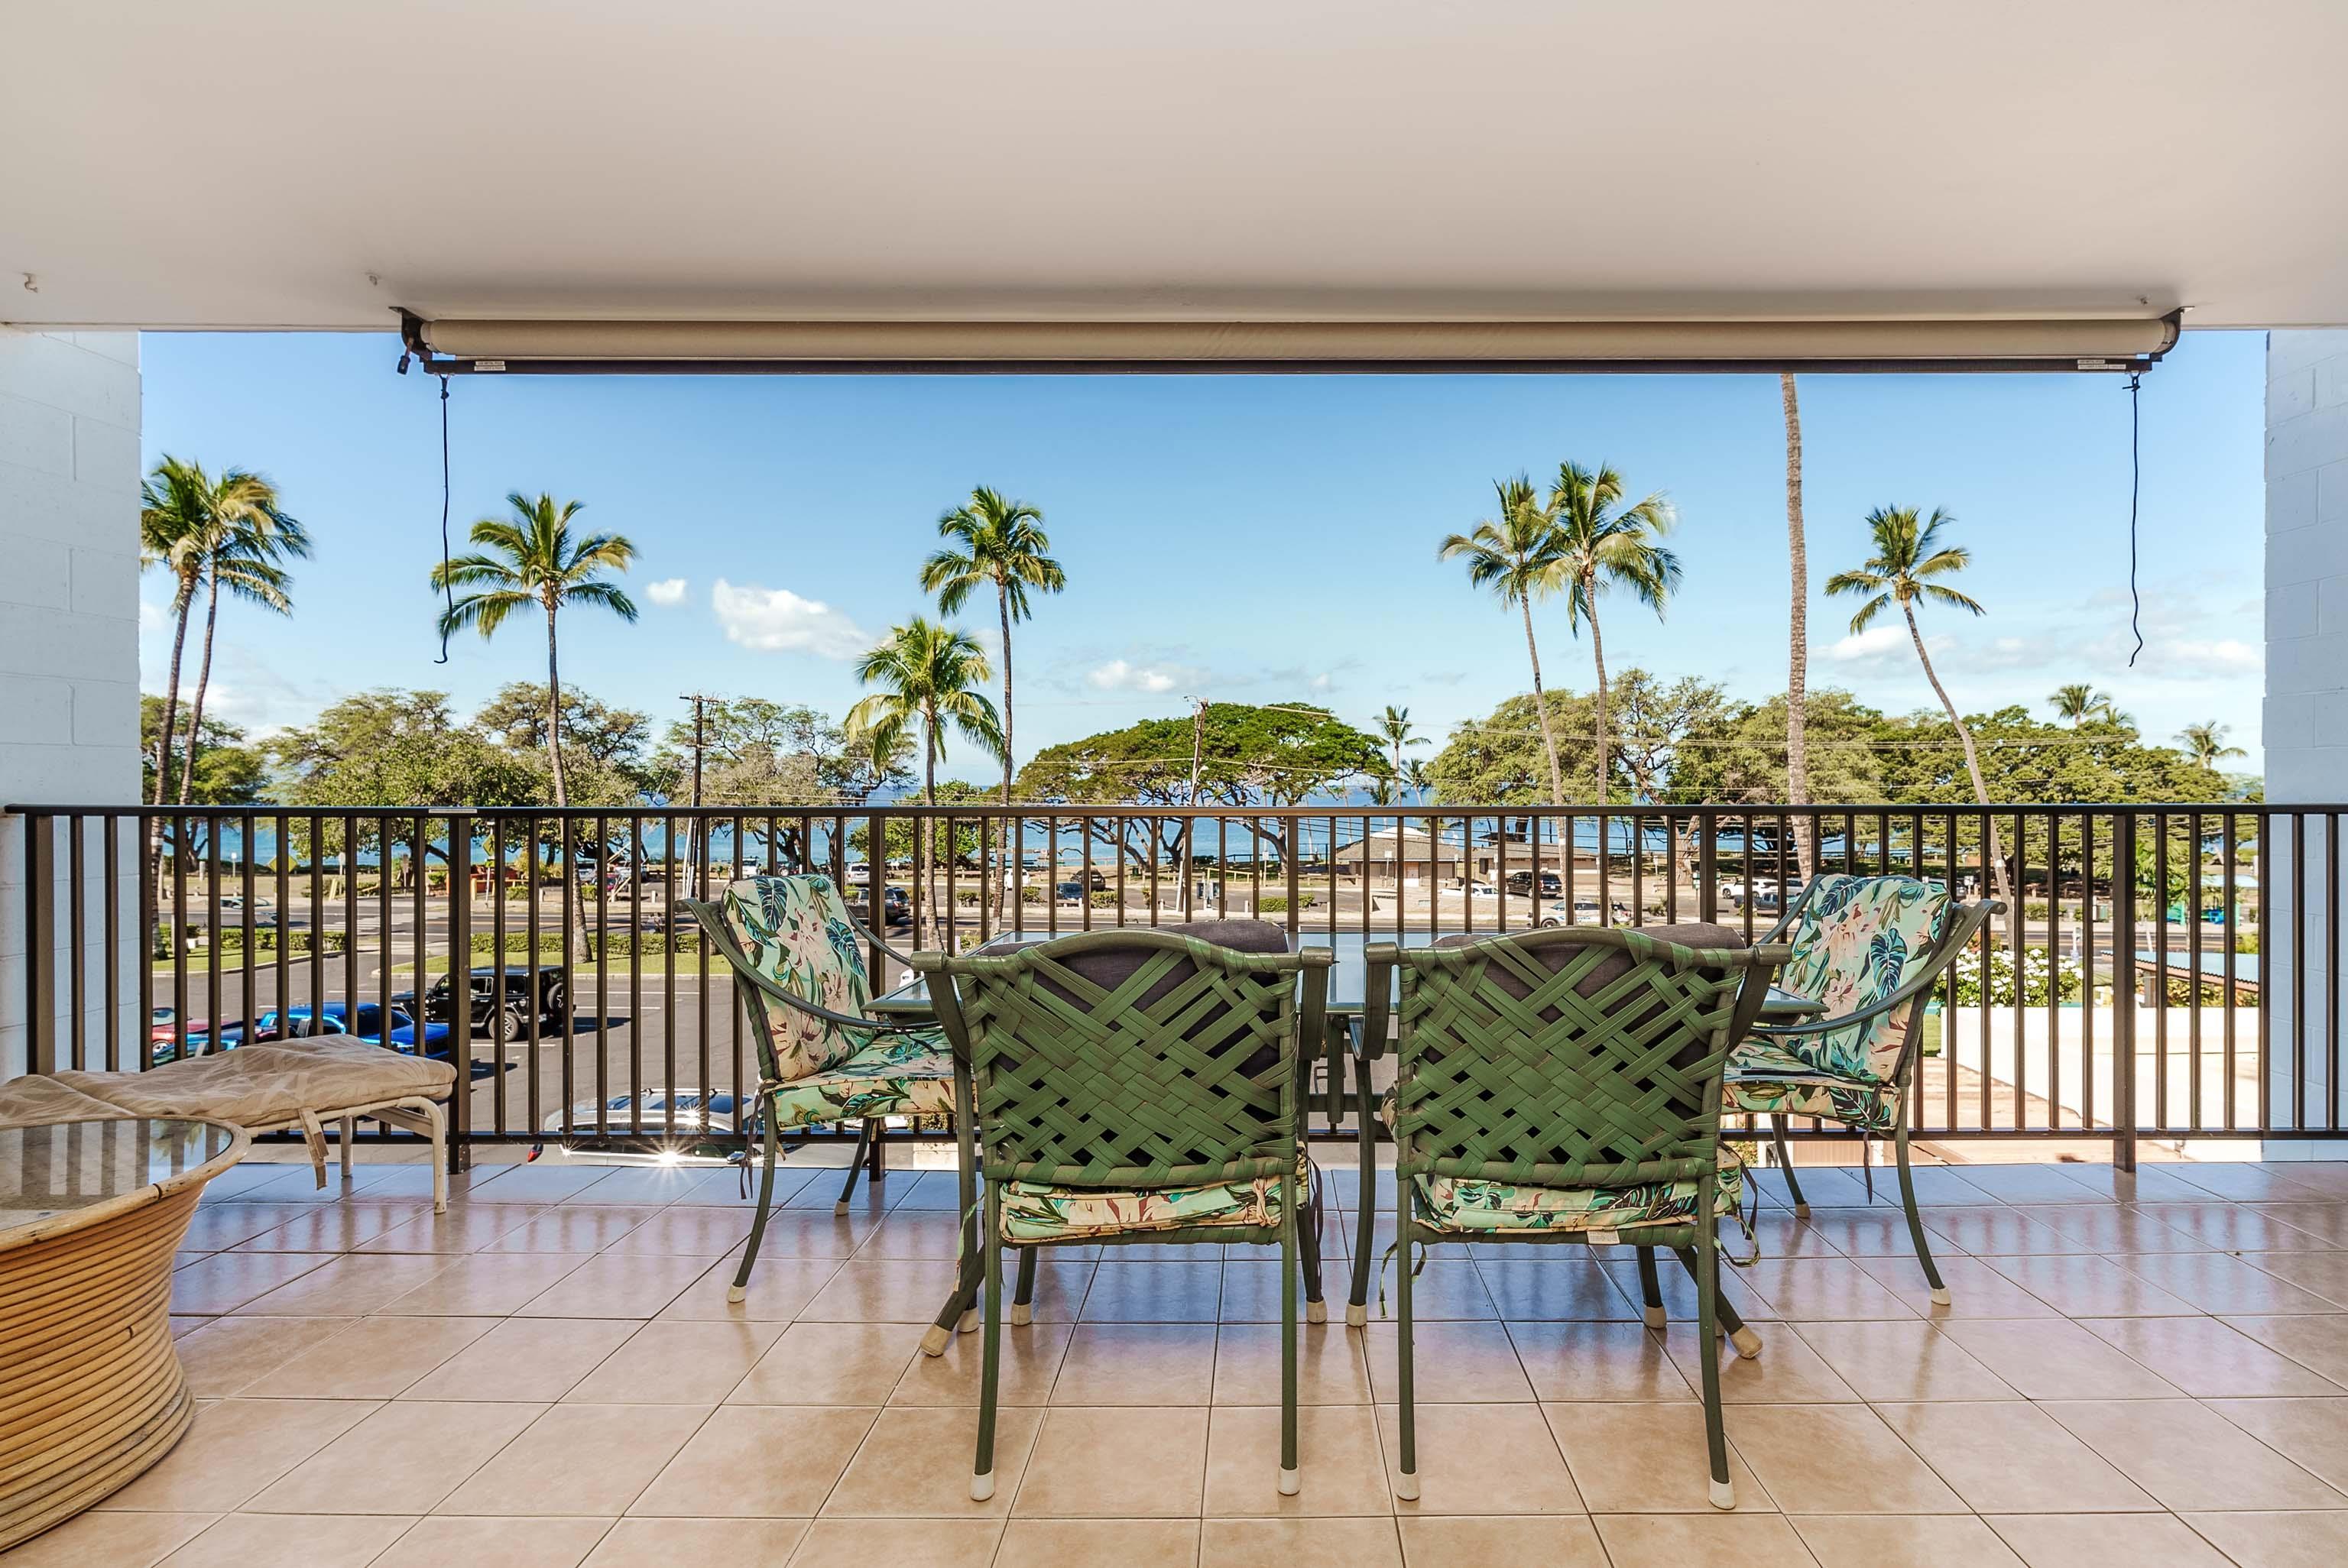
(1500, 758)
(929, 671)
(1394, 727)
(1743, 761)
(1658, 720)
(1003, 542)
(532, 558)
(1415, 778)
(228, 772)
(1517, 554)
(1907, 559)
(401, 748)
(606, 754)
(2205, 743)
(1603, 544)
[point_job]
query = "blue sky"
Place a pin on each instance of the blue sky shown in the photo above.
(1251, 538)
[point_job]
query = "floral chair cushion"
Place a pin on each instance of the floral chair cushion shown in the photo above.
(1458, 1203)
(909, 1074)
(1033, 1212)
(1859, 939)
(796, 933)
(1765, 1078)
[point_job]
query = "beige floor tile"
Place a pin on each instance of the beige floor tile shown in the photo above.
(183, 1323)
(658, 1186)
(1029, 1364)
(932, 1234)
(1138, 1364)
(538, 1183)
(813, 1232)
(900, 1542)
(349, 1285)
(1091, 1543)
(1787, 1372)
(831, 1364)
(885, 1290)
(2277, 1539)
(2311, 1433)
(2055, 1360)
(574, 1227)
(100, 1540)
(677, 1363)
(1821, 1288)
(1299, 1544)
(375, 1359)
(2014, 1458)
(2081, 1284)
(1456, 1445)
(338, 1227)
(918, 1462)
(2000, 1231)
(1679, 1290)
(2327, 1223)
(216, 1228)
(1906, 1541)
(466, 1227)
(2229, 1227)
(1975, 1289)
(1251, 1291)
(1330, 1367)
(759, 1461)
(578, 1460)
(1124, 1292)
(2139, 1539)
(525, 1360)
(228, 1280)
(2189, 1457)
(291, 1541)
(2216, 1282)
(235, 1448)
(1458, 1363)
(669, 1542)
(1629, 1458)
(1836, 1459)
(542, 1543)
(1442, 1291)
(404, 1458)
(1857, 1232)
(2112, 1230)
(617, 1286)
(1340, 1468)
(1537, 1290)
(2318, 1343)
(223, 1355)
(487, 1284)
(1588, 1362)
(779, 1289)
(1901, 1361)
(1129, 1463)
(1676, 1540)
(2323, 1274)
(2207, 1358)
(688, 1232)
(1551, 1542)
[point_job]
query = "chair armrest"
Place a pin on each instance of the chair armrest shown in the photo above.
(870, 934)
(712, 928)
(1382, 959)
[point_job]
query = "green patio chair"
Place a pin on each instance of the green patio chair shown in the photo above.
(1133, 1086)
(1871, 948)
(1563, 1086)
(797, 956)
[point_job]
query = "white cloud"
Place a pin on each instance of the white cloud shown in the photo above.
(668, 593)
(775, 619)
(1868, 646)
(1119, 675)
(153, 618)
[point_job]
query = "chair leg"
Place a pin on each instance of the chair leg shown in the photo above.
(1707, 1302)
(350, 1132)
(1290, 1481)
(1357, 1304)
(1308, 1249)
(1405, 1377)
(1747, 1343)
(982, 1470)
(741, 1286)
(1023, 1296)
(855, 1166)
(878, 1168)
(1650, 1288)
(1916, 1220)
(1786, 1164)
(437, 1120)
(972, 1277)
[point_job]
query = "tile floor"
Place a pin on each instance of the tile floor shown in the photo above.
(2151, 1369)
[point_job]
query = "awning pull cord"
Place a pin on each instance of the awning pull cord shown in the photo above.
(447, 585)
(2136, 482)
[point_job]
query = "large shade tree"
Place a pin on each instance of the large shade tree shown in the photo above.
(997, 541)
(1603, 544)
(1516, 554)
(533, 558)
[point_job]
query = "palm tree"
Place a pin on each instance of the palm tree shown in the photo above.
(1003, 542)
(2080, 702)
(1394, 724)
(1415, 778)
(928, 670)
(530, 558)
(1603, 544)
(228, 530)
(1515, 557)
(1908, 557)
(2205, 743)
(1797, 636)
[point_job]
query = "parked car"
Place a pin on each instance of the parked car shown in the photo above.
(636, 1127)
(1584, 912)
(1552, 883)
(1069, 893)
(860, 874)
(896, 906)
(364, 1024)
(503, 1011)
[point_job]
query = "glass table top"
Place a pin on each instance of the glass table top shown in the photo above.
(46, 1173)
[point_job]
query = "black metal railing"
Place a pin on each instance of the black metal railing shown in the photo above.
(2165, 972)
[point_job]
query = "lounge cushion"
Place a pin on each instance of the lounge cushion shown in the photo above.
(1767, 1078)
(1458, 1203)
(1036, 1211)
(907, 1075)
(259, 1085)
(1859, 939)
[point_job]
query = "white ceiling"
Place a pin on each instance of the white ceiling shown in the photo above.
(288, 163)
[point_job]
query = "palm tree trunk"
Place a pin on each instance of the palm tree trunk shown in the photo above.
(1002, 602)
(1598, 655)
(1972, 767)
(203, 679)
(172, 686)
(554, 716)
(1541, 712)
(1797, 639)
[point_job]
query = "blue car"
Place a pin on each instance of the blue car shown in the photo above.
(364, 1024)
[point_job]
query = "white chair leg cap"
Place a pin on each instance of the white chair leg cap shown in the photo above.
(1316, 1312)
(1022, 1313)
(1940, 1296)
(1723, 1495)
(1406, 1487)
(735, 1295)
(1656, 1317)
(839, 1210)
(1747, 1343)
(969, 1324)
(982, 1487)
(1289, 1483)
(1356, 1316)
(935, 1340)
(1801, 1211)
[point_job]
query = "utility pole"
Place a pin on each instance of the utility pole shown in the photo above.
(692, 826)
(1190, 825)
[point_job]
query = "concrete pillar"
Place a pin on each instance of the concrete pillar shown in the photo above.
(69, 467)
(2306, 719)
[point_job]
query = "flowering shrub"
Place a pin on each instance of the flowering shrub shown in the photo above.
(2041, 978)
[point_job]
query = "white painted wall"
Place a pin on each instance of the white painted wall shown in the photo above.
(2306, 724)
(69, 471)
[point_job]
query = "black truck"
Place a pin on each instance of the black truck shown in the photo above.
(500, 1012)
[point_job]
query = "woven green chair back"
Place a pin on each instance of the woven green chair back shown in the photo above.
(794, 930)
(1573, 1058)
(1178, 1067)
(1859, 939)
